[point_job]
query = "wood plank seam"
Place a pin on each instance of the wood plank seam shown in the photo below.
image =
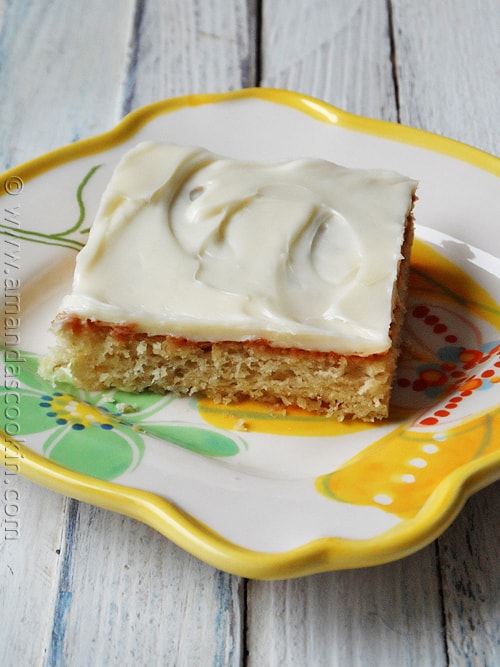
(64, 589)
(393, 56)
(130, 66)
(255, 41)
(440, 584)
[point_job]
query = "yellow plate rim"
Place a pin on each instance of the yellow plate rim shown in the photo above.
(320, 555)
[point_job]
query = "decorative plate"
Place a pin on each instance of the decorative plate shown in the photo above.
(257, 492)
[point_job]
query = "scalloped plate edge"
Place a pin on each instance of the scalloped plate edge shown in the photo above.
(319, 110)
(320, 555)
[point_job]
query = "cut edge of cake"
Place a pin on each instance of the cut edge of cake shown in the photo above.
(97, 356)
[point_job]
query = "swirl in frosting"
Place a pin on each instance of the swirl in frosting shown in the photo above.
(302, 253)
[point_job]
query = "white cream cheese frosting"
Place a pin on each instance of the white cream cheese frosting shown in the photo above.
(302, 253)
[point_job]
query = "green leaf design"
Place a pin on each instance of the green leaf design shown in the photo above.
(103, 455)
(33, 416)
(200, 440)
(62, 239)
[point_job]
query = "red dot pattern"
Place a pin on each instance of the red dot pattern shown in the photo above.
(457, 375)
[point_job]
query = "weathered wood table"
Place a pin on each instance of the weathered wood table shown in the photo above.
(82, 586)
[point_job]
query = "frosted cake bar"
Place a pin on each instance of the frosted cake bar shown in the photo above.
(282, 282)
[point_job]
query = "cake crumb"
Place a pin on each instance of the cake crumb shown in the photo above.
(126, 408)
(241, 425)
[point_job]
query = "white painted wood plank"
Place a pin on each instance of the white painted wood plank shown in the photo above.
(470, 570)
(337, 51)
(60, 76)
(184, 47)
(46, 99)
(448, 63)
(387, 615)
(32, 528)
(129, 596)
